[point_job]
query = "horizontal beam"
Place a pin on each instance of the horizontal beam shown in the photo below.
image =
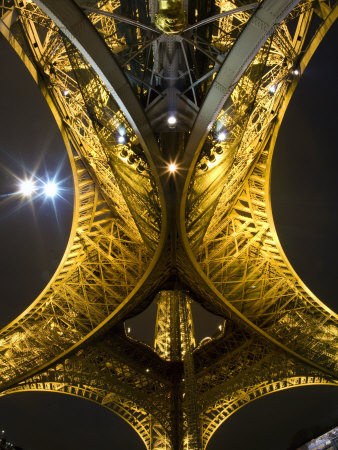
(221, 15)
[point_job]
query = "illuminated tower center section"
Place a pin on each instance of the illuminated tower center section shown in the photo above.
(174, 330)
(175, 342)
(171, 18)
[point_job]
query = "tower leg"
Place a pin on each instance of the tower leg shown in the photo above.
(175, 342)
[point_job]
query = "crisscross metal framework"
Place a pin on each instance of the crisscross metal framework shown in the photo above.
(112, 73)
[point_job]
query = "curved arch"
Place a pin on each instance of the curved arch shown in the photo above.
(261, 25)
(78, 300)
(245, 234)
(305, 60)
(73, 22)
(224, 410)
(111, 372)
(136, 418)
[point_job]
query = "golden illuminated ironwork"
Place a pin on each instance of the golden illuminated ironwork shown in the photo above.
(170, 18)
(113, 75)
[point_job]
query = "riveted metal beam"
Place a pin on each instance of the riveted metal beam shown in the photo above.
(259, 28)
(313, 45)
(74, 24)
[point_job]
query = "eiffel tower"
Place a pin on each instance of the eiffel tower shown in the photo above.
(169, 111)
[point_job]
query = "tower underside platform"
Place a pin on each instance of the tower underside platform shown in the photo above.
(170, 111)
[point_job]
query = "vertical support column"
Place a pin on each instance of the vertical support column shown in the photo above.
(192, 439)
(159, 439)
(175, 342)
(168, 345)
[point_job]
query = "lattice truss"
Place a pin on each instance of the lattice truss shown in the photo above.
(178, 397)
(173, 336)
(228, 216)
(174, 342)
(198, 388)
(236, 368)
(115, 373)
(223, 373)
(154, 61)
(109, 248)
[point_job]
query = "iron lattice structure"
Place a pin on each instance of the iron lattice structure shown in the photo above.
(112, 72)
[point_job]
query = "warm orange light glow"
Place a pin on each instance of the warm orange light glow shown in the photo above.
(172, 167)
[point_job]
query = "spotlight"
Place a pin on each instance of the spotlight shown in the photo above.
(172, 167)
(50, 189)
(66, 92)
(272, 89)
(221, 136)
(121, 139)
(140, 168)
(131, 159)
(124, 153)
(172, 120)
(295, 72)
(27, 187)
(212, 158)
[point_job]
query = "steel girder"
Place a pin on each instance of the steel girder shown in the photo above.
(74, 24)
(119, 374)
(260, 27)
(99, 86)
(125, 376)
(107, 256)
(240, 251)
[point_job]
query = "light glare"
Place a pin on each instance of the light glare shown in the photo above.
(171, 120)
(50, 189)
(121, 139)
(221, 136)
(172, 167)
(27, 187)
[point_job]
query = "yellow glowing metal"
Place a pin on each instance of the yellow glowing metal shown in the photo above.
(231, 257)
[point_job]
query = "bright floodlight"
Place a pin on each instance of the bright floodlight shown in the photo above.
(121, 139)
(221, 136)
(50, 189)
(296, 72)
(66, 92)
(171, 120)
(272, 89)
(27, 187)
(172, 168)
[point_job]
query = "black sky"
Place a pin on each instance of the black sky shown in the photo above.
(33, 239)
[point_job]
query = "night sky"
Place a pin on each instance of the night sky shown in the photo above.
(34, 236)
